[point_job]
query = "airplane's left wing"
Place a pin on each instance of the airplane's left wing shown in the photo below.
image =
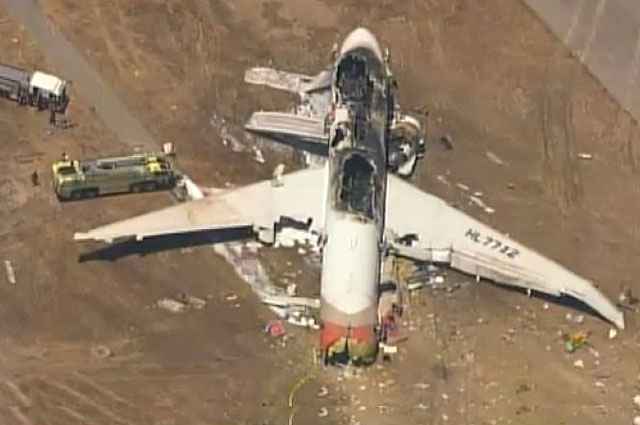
(446, 234)
(298, 195)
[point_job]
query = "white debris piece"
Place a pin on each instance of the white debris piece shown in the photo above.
(462, 187)
(583, 155)
(636, 420)
(11, 275)
(292, 289)
(172, 305)
(636, 400)
(277, 175)
(193, 191)
(289, 236)
(494, 158)
(612, 333)
(579, 364)
(258, 155)
(442, 179)
(324, 391)
(195, 302)
(323, 412)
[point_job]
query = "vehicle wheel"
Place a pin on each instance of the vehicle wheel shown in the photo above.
(90, 193)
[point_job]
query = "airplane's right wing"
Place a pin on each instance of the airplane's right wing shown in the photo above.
(446, 234)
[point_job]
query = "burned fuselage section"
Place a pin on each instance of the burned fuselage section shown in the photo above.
(357, 167)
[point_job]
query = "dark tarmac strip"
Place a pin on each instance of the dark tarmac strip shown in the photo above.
(86, 82)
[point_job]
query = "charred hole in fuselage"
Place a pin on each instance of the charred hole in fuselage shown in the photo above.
(357, 186)
(354, 81)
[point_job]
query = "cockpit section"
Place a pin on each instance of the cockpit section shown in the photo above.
(353, 79)
(358, 185)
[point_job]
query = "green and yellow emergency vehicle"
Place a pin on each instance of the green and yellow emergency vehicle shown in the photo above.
(73, 179)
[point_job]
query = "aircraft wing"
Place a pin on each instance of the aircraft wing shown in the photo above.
(446, 234)
(295, 130)
(299, 196)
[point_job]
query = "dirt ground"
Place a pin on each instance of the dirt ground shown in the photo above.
(518, 109)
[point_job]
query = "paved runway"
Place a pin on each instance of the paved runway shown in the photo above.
(605, 35)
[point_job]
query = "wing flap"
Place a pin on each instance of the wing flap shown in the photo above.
(449, 235)
(298, 195)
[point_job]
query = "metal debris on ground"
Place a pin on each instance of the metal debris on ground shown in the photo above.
(613, 333)
(636, 420)
(494, 158)
(323, 412)
(579, 364)
(583, 155)
(171, 305)
(11, 275)
(101, 351)
(195, 302)
(447, 142)
(275, 328)
(462, 186)
(324, 391)
(231, 297)
(636, 400)
(575, 341)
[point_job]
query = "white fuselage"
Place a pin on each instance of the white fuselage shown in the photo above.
(355, 199)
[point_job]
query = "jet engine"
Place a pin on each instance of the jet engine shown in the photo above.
(406, 145)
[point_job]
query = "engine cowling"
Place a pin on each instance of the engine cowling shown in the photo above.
(406, 145)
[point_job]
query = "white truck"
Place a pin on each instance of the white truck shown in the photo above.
(38, 89)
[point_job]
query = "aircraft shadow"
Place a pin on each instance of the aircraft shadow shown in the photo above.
(155, 244)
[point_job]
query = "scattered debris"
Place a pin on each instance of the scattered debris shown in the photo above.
(447, 142)
(258, 155)
(462, 186)
(575, 319)
(292, 289)
(324, 391)
(422, 386)
(478, 194)
(636, 420)
(599, 384)
(231, 297)
(323, 412)
(442, 179)
(613, 333)
(511, 186)
(627, 298)
(195, 302)
(583, 155)
(545, 306)
(636, 401)
(578, 364)
(575, 341)
(11, 275)
(480, 203)
(388, 349)
(101, 351)
(173, 306)
(275, 328)
(494, 158)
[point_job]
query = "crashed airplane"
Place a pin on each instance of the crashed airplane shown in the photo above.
(362, 211)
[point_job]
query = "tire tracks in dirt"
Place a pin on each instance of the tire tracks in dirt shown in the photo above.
(561, 176)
